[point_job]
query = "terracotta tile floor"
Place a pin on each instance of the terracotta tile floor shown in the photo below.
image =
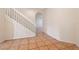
(40, 42)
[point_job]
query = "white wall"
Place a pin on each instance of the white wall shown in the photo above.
(60, 24)
(77, 32)
(9, 28)
(77, 27)
(2, 27)
(67, 29)
(51, 23)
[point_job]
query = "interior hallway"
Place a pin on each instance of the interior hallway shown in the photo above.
(40, 42)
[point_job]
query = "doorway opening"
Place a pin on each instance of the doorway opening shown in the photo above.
(39, 23)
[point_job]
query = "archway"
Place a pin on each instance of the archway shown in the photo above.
(39, 23)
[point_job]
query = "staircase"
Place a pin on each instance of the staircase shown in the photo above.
(19, 18)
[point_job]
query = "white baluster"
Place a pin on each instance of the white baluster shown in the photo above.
(15, 15)
(7, 11)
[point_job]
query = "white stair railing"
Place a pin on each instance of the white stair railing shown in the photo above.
(19, 18)
(20, 10)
